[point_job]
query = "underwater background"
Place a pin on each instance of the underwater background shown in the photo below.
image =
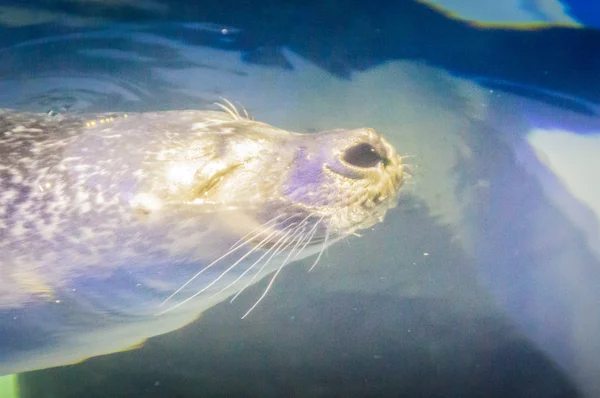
(485, 282)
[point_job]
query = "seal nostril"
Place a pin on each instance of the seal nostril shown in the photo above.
(363, 156)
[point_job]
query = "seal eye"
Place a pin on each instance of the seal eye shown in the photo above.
(363, 156)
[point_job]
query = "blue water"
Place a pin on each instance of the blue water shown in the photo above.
(482, 283)
(586, 11)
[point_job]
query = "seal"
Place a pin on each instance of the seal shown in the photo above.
(119, 227)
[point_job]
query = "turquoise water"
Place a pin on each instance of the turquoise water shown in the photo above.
(482, 283)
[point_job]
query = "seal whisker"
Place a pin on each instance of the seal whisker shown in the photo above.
(321, 252)
(309, 236)
(281, 246)
(231, 267)
(246, 113)
(257, 247)
(245, 272)
(240, 243)
(270, 284)
(219, 277)
(253, 265)
(231, 109)
(226, 110)
(247, 239)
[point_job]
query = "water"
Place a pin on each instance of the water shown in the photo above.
(483, 282)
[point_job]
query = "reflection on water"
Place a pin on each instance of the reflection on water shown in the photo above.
(483, 283)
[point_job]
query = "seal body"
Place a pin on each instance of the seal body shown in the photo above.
(115, 228)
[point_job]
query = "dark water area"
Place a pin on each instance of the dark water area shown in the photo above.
(407, 310)
(346, 36)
